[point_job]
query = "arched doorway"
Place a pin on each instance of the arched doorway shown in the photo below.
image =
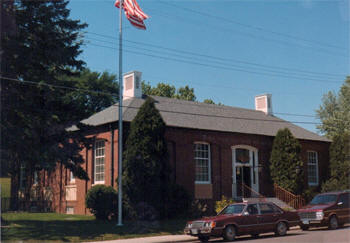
(244, 171)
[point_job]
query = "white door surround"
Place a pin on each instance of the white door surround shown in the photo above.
(244, 156)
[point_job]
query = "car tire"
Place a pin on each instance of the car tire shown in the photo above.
(230, 233)
(304, 227)
(333, 223)
(281, 229)
(203, 238)
(255, 236)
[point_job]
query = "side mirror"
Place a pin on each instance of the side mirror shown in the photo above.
(340, 203)
(245, 213)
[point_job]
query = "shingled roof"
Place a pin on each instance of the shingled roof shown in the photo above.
(189, 114)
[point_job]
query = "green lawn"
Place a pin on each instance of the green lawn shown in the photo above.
(5, 186)
(62, 227)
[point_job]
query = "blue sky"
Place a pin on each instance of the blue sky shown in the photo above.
(229, 51)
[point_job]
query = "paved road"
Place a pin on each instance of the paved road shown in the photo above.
(321, 235)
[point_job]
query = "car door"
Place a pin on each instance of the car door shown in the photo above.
(267, 218)
(343, 208)
(249, 222)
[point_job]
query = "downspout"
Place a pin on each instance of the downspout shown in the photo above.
(87, 171)
(112, 155)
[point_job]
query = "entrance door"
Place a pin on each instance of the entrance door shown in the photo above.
(245, 171)
(243, 178)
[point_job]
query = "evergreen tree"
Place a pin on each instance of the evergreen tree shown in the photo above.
(339, 164)
(146, 170)
(286, 165)
(35, 112)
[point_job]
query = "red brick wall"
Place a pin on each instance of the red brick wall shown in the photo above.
(180, 147)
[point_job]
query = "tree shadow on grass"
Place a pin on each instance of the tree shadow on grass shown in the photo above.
(84, 230)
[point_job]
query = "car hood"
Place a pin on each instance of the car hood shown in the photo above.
(316, 207)
(217, 217)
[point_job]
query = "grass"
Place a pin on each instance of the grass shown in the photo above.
(5, 187)
(77, 228)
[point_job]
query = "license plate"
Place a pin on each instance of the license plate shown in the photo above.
(315, 221)
(305, 221)
(194, 231)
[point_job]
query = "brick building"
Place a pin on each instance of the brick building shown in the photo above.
(212, 148)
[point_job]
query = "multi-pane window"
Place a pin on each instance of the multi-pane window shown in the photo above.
(99, 161)
(202, 162)
(312, 168)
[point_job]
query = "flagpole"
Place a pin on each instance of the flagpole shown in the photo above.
(120, 130)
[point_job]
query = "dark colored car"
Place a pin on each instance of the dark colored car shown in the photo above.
(243, 219)
(330, 209)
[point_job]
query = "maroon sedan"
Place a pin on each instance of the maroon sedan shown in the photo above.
(243, 219)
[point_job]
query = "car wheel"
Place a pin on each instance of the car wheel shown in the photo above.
(230, 233)
(304, 227)
(255, 236)
(203, 238)
(281, 229)
(333, 223)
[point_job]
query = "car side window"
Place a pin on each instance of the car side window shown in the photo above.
(252, 209)
(345, 199)
(266, 208)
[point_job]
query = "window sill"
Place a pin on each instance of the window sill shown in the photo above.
(202, 182)
(98, 183)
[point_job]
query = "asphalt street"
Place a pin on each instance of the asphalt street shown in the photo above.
(320, 235)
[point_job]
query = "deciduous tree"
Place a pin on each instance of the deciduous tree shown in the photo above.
(334, 112)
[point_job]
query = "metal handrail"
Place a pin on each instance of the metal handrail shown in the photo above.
(295, 201)
(253, 191)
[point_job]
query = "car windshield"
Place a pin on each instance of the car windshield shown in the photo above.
(233, 209)
(324, 199)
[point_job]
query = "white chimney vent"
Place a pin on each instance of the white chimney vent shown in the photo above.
(132, 85)
(263, 103)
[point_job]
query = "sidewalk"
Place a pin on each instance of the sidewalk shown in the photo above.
(154, 239)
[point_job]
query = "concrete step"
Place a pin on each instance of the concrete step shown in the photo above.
(275, 200)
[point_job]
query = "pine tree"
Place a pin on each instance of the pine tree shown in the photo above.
(286, 164)
(339, 164)
(146, 170)
(45, 45)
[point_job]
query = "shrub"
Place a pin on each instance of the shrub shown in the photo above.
(102, 201)
(145, 211)
(179, 201)
(199, 208)
(220, 205)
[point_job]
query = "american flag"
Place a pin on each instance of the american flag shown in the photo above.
(133, 13)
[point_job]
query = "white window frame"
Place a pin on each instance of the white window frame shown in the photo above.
(96, 149)
(71, 177)
(312, 164)
(209, 163)
(35, 178)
